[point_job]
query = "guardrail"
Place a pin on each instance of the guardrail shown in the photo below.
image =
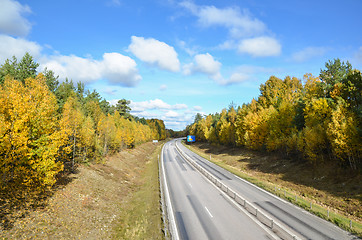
(262, 217)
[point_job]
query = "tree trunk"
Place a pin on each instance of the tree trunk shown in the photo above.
(73, 153)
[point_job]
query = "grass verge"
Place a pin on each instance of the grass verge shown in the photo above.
(141, 216)
(247, 165)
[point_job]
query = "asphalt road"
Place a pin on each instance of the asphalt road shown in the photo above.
(201, 211)
(298, 221)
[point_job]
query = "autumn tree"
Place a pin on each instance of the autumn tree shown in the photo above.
(318, 120)
(315, 144)
(30, 135)
(71, 124)
(87, 139)
(45, 123)
(106, 131)
(158, 128)
(344, 136)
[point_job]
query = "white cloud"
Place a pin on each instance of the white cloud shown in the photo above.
(12, 21)
(156, 104)
(171, 114)
(73, 67)
(118, 68)
(247, 34)
(190, 51)
(175, 116)
(227, 45)
(260, 47)
(146, 114)
(147, 105)
(204, 63)
(238, 77)
(175, 125)
(245, 73)
(17, 47)
(176, 120)
(308, 53)
(235, 78)
(197, 108)
(114, 67)
(179, 106)
(155, 52)
(240, 23)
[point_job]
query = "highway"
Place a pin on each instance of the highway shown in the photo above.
(200, 210)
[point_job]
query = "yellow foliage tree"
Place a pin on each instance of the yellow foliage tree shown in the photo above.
(281, 128)
(71, 123)
(343, 135)
(256, 128)
(107, 131)
(30, 136)
(87, 138)
(314, 142)
(313, 87)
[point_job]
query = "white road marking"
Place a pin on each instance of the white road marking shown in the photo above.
(174, 230)
(207, 210)
(190, 184)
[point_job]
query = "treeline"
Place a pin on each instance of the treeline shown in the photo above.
(318, 119)
(46, 125)
(175, 134)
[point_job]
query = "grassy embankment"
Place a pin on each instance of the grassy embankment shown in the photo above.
(327, 191)
(118, 199)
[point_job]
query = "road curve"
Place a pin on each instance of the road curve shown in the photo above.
(200, 210)
(296, 220)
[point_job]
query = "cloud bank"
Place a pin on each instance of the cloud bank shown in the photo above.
(175, 116)
(114, 67)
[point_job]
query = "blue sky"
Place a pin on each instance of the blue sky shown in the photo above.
(173, 59)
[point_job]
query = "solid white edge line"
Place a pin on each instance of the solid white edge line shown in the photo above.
(172, 221)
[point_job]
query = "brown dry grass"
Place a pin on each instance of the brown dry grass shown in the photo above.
(89, 204)
(328, 185)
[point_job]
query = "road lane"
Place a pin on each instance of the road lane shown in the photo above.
(302, 223)
(202, 211)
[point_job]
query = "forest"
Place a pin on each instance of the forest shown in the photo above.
(317, 119)
(47, 126)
